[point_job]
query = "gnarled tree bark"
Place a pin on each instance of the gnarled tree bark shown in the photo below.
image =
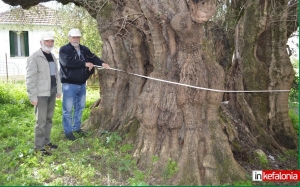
(261, 62)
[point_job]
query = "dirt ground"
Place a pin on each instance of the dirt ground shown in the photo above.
(277, 160)
(286, 160)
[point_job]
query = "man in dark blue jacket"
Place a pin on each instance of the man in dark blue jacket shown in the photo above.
(76, 66)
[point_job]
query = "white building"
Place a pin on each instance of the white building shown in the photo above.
(20, 32)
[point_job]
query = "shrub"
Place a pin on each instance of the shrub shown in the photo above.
(5, 97)
(295, 119)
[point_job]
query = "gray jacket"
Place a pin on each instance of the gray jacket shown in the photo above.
(38, 80)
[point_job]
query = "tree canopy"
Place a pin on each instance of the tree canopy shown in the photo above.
(72, 16)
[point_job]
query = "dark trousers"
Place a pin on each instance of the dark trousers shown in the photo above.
(44, 111)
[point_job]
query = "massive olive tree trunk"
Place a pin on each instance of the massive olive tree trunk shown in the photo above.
(169, 40)
(175, 41)
(261, 62)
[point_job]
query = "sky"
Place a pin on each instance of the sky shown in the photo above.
(4, 7)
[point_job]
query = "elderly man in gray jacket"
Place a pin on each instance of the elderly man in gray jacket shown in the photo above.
(43, 87)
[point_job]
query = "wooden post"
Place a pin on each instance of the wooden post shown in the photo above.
(6, 67)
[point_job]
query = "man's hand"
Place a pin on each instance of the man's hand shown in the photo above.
(34, 103)
(89, 65)
(106, 66)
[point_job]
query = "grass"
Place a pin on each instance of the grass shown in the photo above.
(85, 162)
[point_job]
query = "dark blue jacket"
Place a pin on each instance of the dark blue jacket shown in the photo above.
(72, 67)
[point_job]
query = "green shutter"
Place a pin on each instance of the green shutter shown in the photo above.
(12, 43)
(26, 44)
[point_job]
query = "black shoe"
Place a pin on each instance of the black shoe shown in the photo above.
(81, 132)
(70, 136)
(43, 152)
(51, 146)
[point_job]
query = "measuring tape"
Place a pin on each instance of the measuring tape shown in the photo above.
(190, 86)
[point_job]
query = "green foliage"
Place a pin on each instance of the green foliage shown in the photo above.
(14, 94)
(138, 179)
(263, 160)
(125, 148)
(291, 153)
(295, 63)
(171, 168)
(295, 119)
(294, 96)
(86, 162)
(155, 159)
(4, 95)
(294, 93)
(78, 17)
(243, 183)
(91, 97)
(287, 155)
(281, 158)
(112, 139)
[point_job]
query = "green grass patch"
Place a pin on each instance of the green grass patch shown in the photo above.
(87, 161)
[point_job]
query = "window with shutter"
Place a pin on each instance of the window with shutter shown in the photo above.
(26, 43)
(12, 43)
(19, 46)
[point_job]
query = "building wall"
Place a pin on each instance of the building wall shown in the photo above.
(17, 65)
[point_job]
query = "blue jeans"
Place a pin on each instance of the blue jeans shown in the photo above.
(73, 104)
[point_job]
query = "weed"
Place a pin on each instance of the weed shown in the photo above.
(155, 159)
(263, 160)
(138, 179)
(171, 168)
(281, 158)
(287, 155)
(291, 153)
(58, 169)
(112, 139)
(125, 148)
(243, 183)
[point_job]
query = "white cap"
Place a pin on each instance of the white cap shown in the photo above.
(47, 36)
(74, 32)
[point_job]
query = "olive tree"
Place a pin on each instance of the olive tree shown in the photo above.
(236, 45)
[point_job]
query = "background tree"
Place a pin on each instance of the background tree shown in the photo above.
(72, 16)
(177, 40)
